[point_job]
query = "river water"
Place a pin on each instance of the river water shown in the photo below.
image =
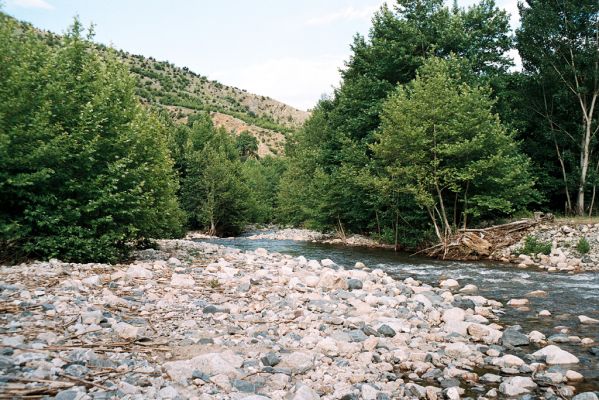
(568, 295)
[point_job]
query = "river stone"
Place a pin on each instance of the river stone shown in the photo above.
(225, 363)
(457, 350)
(490, 378)
(304, 392)
(517, 302)
(354, 284)
(554, 355)
(469, 289)
(536, 336)
(573, 376)
(517, 385)
(585, 396)
(587, 321)
(126, 331)
(298, 362)
(386, 330)
(270, 359)
(450, 284)
(453, 315)
(243, 386)
(182, 280)
(513, 337)
(67, 395)
(138, 271)
(544, 313)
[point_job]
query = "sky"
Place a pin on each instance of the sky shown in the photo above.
(289, 50)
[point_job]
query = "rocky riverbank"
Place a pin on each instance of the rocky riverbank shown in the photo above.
(564, 256)
(197, 320)
(307, 235)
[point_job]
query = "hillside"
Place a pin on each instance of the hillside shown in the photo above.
(183, 92)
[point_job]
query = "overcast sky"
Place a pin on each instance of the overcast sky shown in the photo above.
(287, 49)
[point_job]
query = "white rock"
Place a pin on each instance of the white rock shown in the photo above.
(182, 280)
(457, 350)
(587, 321)
(508, 360)
(517, 385)
(449, 284)
(469, 289)
(536, 336)
(453, 315)
(573, 376)
(517, 302)
(544, 313)
(327, 262)
(332, 280)
(304, 392)
(126, 331)
(225, 363)
(174, 261)
(555, 355)
(261, 252)
(137, 271)
(299, 362)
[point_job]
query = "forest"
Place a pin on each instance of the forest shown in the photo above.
(433, 128)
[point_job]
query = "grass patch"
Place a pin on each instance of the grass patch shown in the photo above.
(583, 246)
(533, 246)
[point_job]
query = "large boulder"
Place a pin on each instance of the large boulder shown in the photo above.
(554, 355)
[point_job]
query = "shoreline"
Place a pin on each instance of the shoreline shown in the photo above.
(204, 321)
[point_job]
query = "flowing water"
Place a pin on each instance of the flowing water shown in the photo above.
(568, 295)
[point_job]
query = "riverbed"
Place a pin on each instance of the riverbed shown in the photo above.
(568, 295)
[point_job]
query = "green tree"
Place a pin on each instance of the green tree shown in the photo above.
(84, 169)
(558, 42)
(247, 145)
(440, 143)
(213, 192)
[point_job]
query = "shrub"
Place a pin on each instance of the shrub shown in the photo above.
(583, 246)
(85, 173)
(533, 246)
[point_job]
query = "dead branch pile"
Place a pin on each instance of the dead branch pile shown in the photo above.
(476, 244)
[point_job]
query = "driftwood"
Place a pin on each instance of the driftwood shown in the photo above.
(476, 244)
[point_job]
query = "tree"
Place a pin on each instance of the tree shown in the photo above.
(247, 145)
(213, 192)
(84, 169)
(558, 42)
(440, 143)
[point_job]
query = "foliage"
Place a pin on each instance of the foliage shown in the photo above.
(247, 145)
(213, 192)
(440, 143)
(533, 246)
(84, 169)
(583, 246)
(558, 42)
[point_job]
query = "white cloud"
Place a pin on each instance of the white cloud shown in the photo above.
(350, 13)
(40, 4)
(295, 81)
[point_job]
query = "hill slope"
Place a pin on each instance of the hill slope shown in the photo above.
(183, 92)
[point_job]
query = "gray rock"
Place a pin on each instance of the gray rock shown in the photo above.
(386, 330)
(354, 284)
(513, 337)
(357, 335)
(270, 359)
(197, 374)
(585, 396)
(243, 386)
(67, 395)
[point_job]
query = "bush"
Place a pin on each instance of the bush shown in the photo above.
(533, 246)
(583, 246)
(85, 173)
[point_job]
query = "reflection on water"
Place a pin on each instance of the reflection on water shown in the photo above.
(567, 295)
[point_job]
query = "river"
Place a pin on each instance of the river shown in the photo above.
(568, 295)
